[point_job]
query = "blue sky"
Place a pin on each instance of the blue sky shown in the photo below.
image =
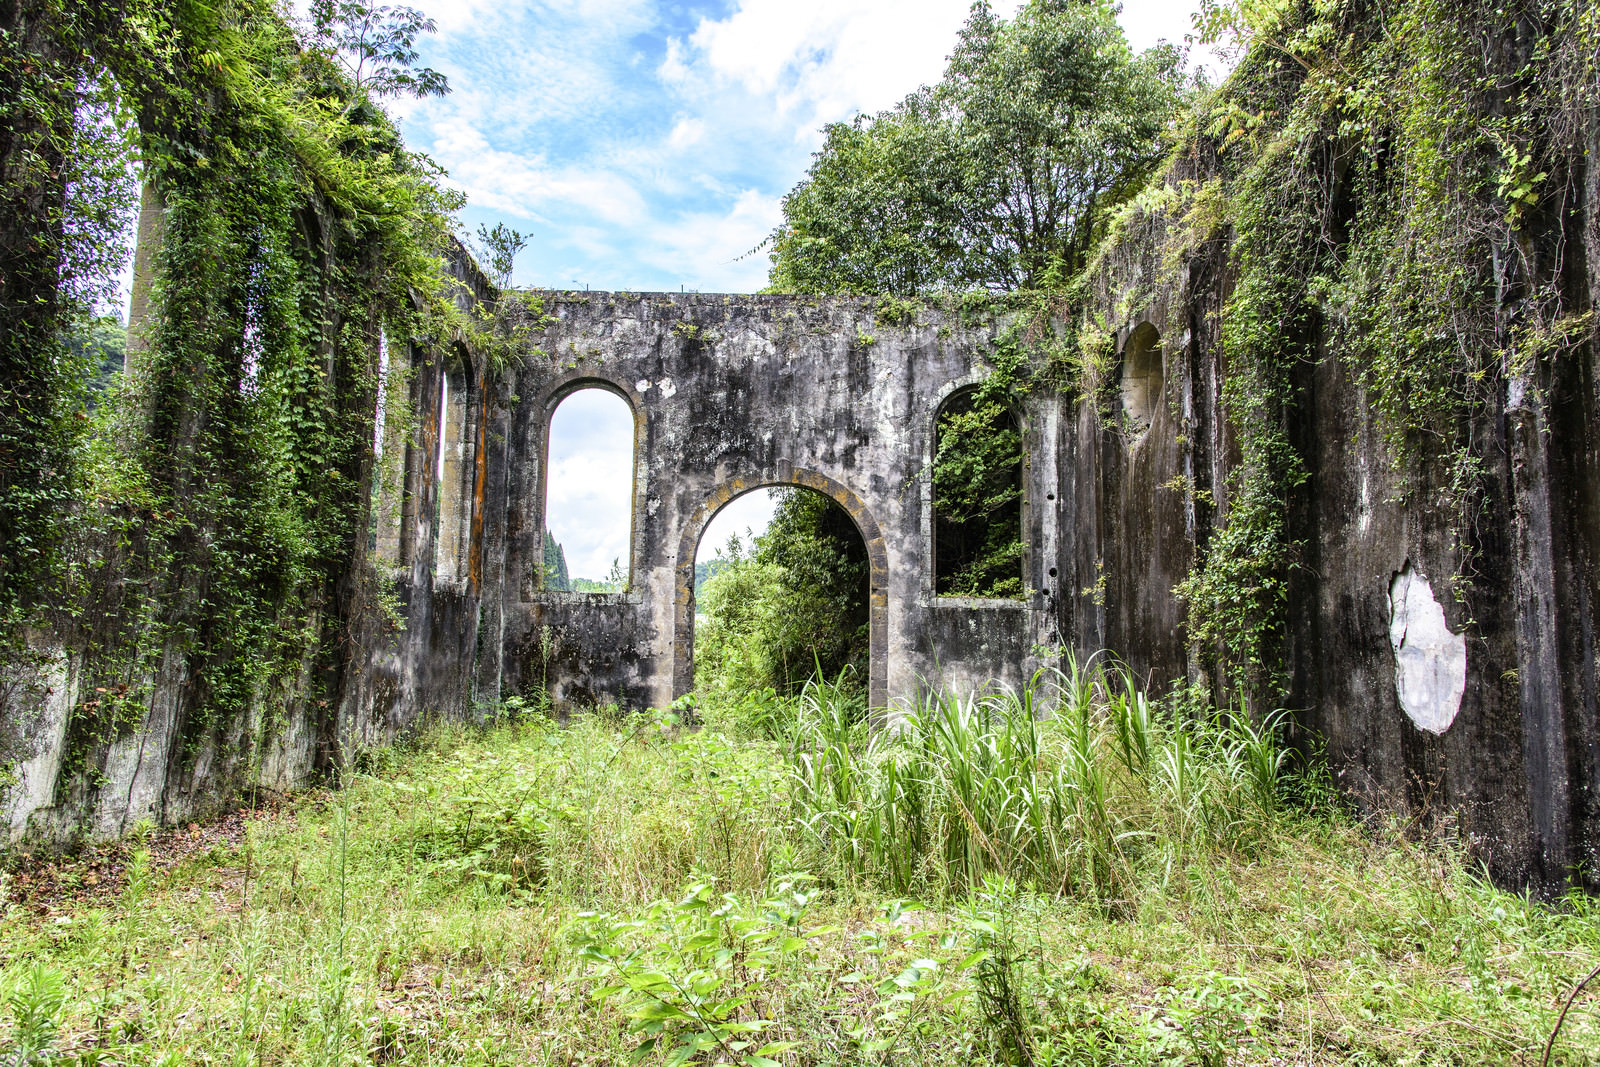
(646, 145)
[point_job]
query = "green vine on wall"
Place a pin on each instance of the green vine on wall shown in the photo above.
(1391, 172)
(210, 514)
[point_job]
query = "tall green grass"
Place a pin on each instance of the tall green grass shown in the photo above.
(1076, 784)
(1068, 874)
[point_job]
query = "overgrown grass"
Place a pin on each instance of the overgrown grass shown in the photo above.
(1096, 800)
(1111, 885)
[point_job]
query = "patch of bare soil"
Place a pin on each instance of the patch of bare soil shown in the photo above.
(50, 883)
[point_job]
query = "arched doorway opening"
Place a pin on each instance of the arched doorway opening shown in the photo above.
(832, 525)
(783, 606)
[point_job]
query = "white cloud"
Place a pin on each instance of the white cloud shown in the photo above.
(747, 516)
(454, 16)
(686, 132)
(527, 187)
(824, 60)
(714, 251)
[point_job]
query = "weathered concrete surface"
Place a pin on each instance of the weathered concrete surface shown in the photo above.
(1494, 729)
(732, 394)
(1482, 708)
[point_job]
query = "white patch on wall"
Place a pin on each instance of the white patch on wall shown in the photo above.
(33, 783)
(1430, 662)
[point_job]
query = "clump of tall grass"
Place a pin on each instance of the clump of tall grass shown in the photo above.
(1077, 783)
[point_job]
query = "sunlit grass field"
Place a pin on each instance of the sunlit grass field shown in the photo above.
(781, 884)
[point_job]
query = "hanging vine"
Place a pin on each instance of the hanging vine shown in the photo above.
(1395, 174)
(208, 513)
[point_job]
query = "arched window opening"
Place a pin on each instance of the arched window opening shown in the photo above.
(1141, 377)
(588, 539)
(777, 608)
(453, 467)
(392, 422)
(977, 497)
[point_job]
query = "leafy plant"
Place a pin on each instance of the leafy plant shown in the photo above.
(672, 981)
(500, 245)
(35, 1006)
(376, 44)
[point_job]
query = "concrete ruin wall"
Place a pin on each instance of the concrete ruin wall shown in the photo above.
(1479, 711)
(406, 661)
(732, 394)
(1495, 723)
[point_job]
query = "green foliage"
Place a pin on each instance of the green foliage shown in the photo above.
(1238, 596)
(794, 606)
(999, 177)
(977, 480)
(706, 569)
(64, 204)
(535, 893)
(555, 565)
(966, 787)
(670, 971)
(99, 344)
(894, 311)
(35, 1010)
(500, 246)
(201, 519)
(615, 581)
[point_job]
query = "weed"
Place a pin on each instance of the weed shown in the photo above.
(1105, 878)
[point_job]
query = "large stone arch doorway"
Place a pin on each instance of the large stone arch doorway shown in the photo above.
(877, 566)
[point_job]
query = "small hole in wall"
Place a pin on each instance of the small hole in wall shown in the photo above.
(1049, 496)
(1052, 572)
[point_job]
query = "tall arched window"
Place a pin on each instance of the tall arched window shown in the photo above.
(1141, 376)
(453, 502)
(588, 540)
(977, 497)
(392, 431)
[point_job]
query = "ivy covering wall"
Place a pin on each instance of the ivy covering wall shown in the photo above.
(1400, 187)
(206, 520)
